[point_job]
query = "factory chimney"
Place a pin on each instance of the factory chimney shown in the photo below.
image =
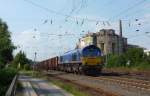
(120, 28)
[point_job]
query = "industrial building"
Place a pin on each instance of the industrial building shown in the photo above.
(107, 40)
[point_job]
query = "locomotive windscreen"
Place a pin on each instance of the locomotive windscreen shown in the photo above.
(91, 51)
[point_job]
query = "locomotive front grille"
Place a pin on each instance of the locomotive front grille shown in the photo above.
(91, 60)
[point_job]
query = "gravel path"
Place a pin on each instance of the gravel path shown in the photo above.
(39, 87)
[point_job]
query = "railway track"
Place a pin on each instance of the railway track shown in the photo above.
(120, 86)
(95, 91)
(126, 82)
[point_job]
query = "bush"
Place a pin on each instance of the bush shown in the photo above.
(116, 61)
(6, 77)
(27, 67)
(134, 58)
(144, 66)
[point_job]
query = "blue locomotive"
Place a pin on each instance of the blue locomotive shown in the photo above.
(87, 60)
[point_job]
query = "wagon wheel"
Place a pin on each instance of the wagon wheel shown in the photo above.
(80, 70)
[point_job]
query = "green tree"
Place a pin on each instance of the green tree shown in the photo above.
(135, 56)
(116, 61)
(6, 77)
(6, 46)
(20, 60)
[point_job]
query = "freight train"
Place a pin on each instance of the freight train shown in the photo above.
(88, 60)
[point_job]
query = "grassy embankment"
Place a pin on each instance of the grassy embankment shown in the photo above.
(140, 67)
(69, 87)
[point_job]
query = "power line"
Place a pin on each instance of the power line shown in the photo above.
(44, 8)
(64, 6)
(83, 3)
(139, 35)
(134, 12)
(59, 13)
(74, 8)
(128, 9)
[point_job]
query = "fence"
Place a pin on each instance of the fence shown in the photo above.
(12, 89)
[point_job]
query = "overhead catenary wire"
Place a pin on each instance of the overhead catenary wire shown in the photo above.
(59, 13)
(51, 21)
(83, 2)
(128, 9)
(72, 10)
(136, 11)
(77, 21)
(139, 35)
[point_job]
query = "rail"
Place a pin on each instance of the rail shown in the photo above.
(12, 88)
(126, 82)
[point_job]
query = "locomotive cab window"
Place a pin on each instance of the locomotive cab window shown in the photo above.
(91, 52)
(74, 57)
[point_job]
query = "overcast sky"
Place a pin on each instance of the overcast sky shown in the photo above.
(41, 25)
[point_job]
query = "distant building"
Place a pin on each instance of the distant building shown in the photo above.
(106, 39)
(135, 46)
(147, 52)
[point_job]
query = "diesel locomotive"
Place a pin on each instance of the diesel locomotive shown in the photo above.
(88, 60)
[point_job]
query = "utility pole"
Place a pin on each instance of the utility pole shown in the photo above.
(34, 62)
(34, 57)
(106, 47)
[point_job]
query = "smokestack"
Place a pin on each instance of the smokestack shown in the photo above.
(120, 28)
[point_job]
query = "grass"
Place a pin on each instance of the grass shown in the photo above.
(30, 73)
(19, 89)
(141, 68)
(69, 88)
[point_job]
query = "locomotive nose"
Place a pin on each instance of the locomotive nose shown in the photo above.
(91, 60)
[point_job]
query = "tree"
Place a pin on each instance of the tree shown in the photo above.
(135, 56)
(116, 61)
(20, 59)
(6, 46)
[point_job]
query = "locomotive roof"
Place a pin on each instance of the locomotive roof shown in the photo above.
(73, 51)
(79, 50)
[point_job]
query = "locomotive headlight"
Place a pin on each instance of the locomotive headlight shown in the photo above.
(99, 64)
